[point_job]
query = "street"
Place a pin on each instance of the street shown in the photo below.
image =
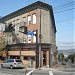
(6, 71)
(43, 72)
(68, 69)
(38, 72)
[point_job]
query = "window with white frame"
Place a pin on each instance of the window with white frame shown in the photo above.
(17, 28)
(29, 38)
(24, 20)
(2, 27)
(34, 18)
(29, 19)
(34, 37)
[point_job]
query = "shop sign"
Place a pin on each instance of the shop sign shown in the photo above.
(4, 55)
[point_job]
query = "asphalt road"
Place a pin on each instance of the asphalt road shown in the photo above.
(69, 71)
(52, 73)
(38, 72)
(6, 71)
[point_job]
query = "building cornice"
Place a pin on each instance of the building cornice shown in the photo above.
(26, 9)
(33, 6)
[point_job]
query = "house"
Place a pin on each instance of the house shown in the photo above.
(40, 51)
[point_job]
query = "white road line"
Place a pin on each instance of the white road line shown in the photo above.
(50, 73)
(29, 72)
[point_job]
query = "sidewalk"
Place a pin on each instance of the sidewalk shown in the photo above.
(58, 67)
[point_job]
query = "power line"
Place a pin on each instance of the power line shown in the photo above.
(43, 14)
(66, 42)
(64, 5)
(66, 19)
(65, 10)
(65, 46)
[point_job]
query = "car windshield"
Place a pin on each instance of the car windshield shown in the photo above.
(18, 60)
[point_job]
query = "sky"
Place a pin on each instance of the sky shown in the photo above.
(63, 14)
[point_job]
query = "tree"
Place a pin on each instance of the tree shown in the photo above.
(2, 46)
(61, 56)
(2, 43)
(72, 57)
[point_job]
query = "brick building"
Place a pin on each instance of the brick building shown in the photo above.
(36, 16)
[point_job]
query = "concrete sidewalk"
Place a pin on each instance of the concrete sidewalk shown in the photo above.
(58, 67)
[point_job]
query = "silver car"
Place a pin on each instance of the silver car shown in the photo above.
(12, 63)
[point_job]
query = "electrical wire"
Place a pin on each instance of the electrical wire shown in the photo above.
(65, 42)
(65, 10)
(72, 18)
(72, 3)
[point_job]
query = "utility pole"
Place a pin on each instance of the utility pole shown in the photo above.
(37, 50)
(40, 43)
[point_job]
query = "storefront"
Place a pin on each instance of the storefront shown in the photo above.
(27, 52)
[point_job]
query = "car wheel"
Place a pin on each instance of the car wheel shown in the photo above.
(11, 67)
(1, 66)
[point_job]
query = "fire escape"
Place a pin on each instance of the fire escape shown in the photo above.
(11, 29)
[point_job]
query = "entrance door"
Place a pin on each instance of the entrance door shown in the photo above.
(44, 58)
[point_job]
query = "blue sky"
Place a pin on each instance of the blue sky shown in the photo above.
(63, 13)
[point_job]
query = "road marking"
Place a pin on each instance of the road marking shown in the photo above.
(50, 73)
(29, 72)
(5, 74)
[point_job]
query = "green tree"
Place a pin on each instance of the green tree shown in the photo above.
(72, 57)
(2, 44)
(61, 56)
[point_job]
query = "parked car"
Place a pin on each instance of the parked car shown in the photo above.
(12, 63)
(63, 63)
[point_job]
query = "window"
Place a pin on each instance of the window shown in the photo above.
(34, 18)
(29, 20)
(34, 37)
(29, 38)
(10, 60)
(17, 19)
(2, 27)
(13, 20)
(24, 17)
(18, 60)
(26, 57)
(17, 28)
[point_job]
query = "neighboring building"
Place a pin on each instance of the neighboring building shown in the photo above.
(38, 16)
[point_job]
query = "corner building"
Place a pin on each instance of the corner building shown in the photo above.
(36, 16)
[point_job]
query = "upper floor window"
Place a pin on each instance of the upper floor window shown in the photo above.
(24, 17)
(2, 27)
(17, 19)
(34, 18)
(24, 20)
(13, 20)
(17, 28)
(29, 19)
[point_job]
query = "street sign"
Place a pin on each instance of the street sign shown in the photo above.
(30, 33)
